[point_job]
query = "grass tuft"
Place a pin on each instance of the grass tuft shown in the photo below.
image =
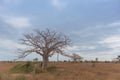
(0, 77)
(23, 68)
(20, 78)
(52, 69)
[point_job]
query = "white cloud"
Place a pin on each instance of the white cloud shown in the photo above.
(57, 4)
(85, 31)
(101, 55)
(72, 48)
(117, 23)
(87, 47)
(17, 22)
(112, 41)
(8, 50)
(6, 3)
(9, 44)
(78, 48)
(110, 24)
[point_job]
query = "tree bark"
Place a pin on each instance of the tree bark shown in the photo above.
(45, 62)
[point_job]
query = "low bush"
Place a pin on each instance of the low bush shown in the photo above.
(30, 67)
(23, 68)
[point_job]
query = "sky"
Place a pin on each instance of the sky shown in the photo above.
(92, 25)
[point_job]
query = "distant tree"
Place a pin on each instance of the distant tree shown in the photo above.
(118, 58)
(96, 59)
(45, 43)
(76, 57)
(35, 60)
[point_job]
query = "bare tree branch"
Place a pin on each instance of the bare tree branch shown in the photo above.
(46, 43)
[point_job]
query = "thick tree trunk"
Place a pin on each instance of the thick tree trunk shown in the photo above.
(45, 62)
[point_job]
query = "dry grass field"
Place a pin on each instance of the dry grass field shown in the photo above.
(67, 71)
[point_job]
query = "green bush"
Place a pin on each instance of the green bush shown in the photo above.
(29, 67)
(23, 68)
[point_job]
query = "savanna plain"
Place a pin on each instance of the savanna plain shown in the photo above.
(64, 71)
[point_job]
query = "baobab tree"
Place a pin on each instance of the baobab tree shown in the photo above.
(76, 57)
(118, 58)
(35, 60)
(45, 43)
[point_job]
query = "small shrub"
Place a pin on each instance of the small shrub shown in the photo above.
(23, 68)
(64, 61)
(107, 61)
(28, 67)
(81, 61)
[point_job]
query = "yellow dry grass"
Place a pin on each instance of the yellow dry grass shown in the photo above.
(70, 71)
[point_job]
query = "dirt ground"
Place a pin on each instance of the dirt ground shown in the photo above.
(68, 71)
